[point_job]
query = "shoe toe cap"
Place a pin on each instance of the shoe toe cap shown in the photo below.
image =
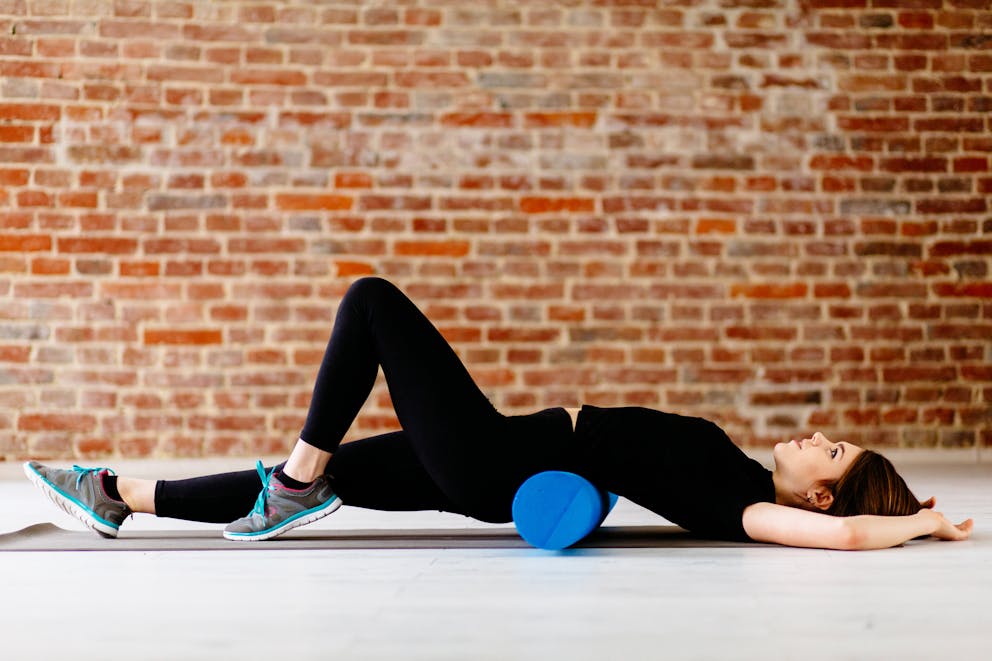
(242, 526)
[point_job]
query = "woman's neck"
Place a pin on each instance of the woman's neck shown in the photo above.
(783, 494)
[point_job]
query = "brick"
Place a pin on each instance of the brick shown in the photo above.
(950, 124)
(431, 80)
(147, 29)
(432, 248)
(925, 374)
(760, 333)
(955, 248)
(14, 354)
(181, 337)
(723, 162)
(106, 245)
(839, 40)
(17, 133)
(770, 291)
(915, 20)
(47, 266)
(139, 269)
(864, 83)
(56, 422)
(199, 74)
(487, 120)
(522, 334)
(972, 164)
(424, 17)
(13, 177)
(265, 245)
(718, 375)
(53, 289)
(313, 202)
(394, 202)
(874, 124)
(834, 162)
(951, 206)
(556, 119)
(25, 243)
(976, 372)
(267, 77)
(876, 21)
(549, 205)
(931, 164)
(969, 289)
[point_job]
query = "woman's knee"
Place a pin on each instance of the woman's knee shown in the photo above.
(370, 288)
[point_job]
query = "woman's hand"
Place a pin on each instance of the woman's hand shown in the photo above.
(944, 529)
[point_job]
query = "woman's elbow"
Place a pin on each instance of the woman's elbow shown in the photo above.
(851, 536)
(857, 535)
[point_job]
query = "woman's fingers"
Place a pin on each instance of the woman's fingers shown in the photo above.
(946, 529)
(961, 531)
(951, 532)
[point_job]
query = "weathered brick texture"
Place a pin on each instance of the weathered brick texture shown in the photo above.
(774, 213)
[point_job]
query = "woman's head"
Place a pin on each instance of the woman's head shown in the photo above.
(840, 479)
(872, 486)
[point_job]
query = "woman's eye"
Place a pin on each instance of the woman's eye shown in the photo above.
(833, 453)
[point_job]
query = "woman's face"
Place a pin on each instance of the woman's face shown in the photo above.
(801, 464)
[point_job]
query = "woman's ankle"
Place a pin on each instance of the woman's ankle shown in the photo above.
(306, 463)
(291, 482)
(137, 494)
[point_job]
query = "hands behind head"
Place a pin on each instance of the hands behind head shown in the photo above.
(944, 529)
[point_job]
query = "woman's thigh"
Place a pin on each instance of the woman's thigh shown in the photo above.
(384, 473)
(476, 475)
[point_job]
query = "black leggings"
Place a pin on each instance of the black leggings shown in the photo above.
(455, 453)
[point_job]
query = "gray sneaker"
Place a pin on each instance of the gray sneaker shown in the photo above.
(80, 493)
(280, 508)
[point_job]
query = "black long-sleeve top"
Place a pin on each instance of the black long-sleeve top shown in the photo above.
(685, 469)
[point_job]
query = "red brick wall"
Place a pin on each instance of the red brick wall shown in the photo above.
(774, 213)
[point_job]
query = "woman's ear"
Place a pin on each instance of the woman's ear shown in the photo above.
(820, 496)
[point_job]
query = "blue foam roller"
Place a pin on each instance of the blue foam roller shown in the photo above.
(555, 509)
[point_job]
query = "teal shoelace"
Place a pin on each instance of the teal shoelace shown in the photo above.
(83, 472)
(263, 495)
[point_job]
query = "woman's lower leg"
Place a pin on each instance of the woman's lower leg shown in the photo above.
(305, 462)
(381, 472)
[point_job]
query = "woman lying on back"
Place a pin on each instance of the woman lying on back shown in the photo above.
(457, 453)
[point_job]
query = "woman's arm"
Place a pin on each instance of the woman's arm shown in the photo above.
(768, 522)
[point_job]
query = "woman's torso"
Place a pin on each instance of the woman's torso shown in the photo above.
(684, 468)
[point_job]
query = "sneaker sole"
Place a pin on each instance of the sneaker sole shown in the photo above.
(309, 516)
(69, 505)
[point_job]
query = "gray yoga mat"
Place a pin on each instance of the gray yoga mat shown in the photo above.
(48, 537)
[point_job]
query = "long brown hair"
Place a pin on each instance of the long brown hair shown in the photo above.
(871, 485)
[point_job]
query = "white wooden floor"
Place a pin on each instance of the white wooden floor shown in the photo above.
(927, 600)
